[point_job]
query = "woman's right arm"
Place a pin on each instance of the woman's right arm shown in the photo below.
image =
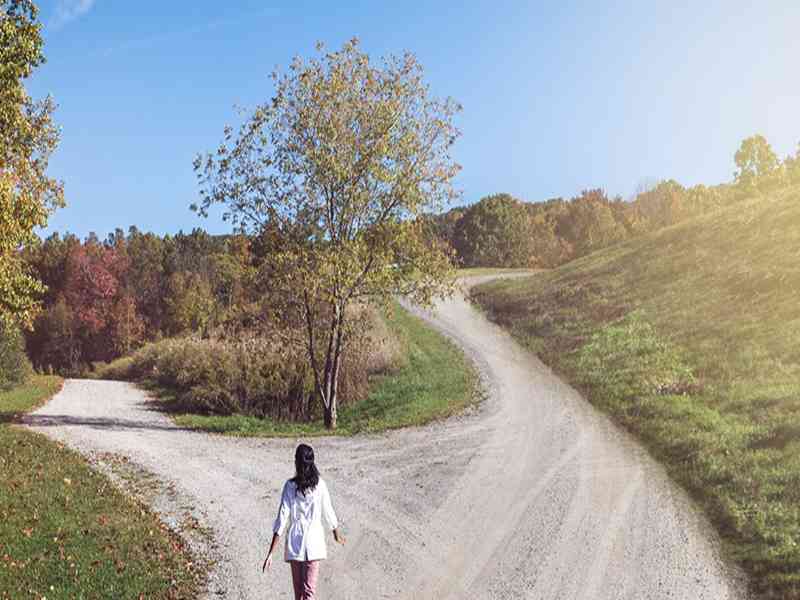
(279, 526)
(268, 561)
(338, 536)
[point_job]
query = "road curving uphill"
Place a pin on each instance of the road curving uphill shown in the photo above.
(534, 495)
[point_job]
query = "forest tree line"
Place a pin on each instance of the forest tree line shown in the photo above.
(106, 298)
(503, 231)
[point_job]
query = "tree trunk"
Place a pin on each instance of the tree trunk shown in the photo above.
(329, 391)
(332, 373)
(330, 414)
(327, 378)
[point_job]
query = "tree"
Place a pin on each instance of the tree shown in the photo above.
(27, 138)
(793, 167)
(49, 263)
(191, 253)
(145, 279)
(589, 223)
(443, 225)
(90, 289)
(14, 365)
(756, 162)
(126, 327)
(663, 204)
(189, 303)
(233, 272)
(55, 342)
(334, 173)
(549, 249)
(701, 200)
(495, 232)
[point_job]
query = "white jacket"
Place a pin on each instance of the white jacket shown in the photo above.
(305, 538)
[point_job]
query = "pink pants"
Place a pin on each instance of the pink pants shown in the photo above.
(304, 577)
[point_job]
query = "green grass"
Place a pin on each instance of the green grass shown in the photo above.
(690, 338)
(476, 271)
(28, 397)
(66, 532)
(435, 381)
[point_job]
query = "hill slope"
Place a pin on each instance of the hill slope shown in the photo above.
(690, 337)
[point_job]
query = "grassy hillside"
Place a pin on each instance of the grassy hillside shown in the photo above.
(690, 337)
(66, 532)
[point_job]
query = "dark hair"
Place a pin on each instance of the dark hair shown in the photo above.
(306, 474)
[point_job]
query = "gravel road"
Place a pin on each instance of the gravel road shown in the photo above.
(533, 495)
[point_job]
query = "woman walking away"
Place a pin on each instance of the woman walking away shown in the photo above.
(305, 501)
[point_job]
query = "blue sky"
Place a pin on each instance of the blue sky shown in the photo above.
(557, 96)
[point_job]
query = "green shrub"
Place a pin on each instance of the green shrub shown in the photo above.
(116, 370)
(627, 361)
(15, 368)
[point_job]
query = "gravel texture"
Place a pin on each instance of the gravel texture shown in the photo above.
(532, 495)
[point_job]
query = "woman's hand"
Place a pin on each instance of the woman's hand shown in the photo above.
(268, 560)
(338, 537)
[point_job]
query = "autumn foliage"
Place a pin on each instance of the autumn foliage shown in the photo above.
(105, 299)
(503, 231)
(92, 285)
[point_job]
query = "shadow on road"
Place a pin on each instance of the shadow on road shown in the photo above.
(102, 423)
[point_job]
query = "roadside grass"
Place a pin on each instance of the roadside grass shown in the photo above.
(66, 531)
(690, 338)
(25, 398)
(433, 381)
(477, 271)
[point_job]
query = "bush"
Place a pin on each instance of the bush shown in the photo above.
(256, 375)
(117, 370)
(15, 368)
(626, 361)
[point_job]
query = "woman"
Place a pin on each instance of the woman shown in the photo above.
(305, 501)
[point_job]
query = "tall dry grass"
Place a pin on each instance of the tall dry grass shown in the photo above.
(256, 374)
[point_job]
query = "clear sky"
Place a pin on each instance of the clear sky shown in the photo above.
(558, 96)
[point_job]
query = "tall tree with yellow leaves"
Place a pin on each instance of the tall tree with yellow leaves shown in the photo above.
(27, 139)
(334, 173)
